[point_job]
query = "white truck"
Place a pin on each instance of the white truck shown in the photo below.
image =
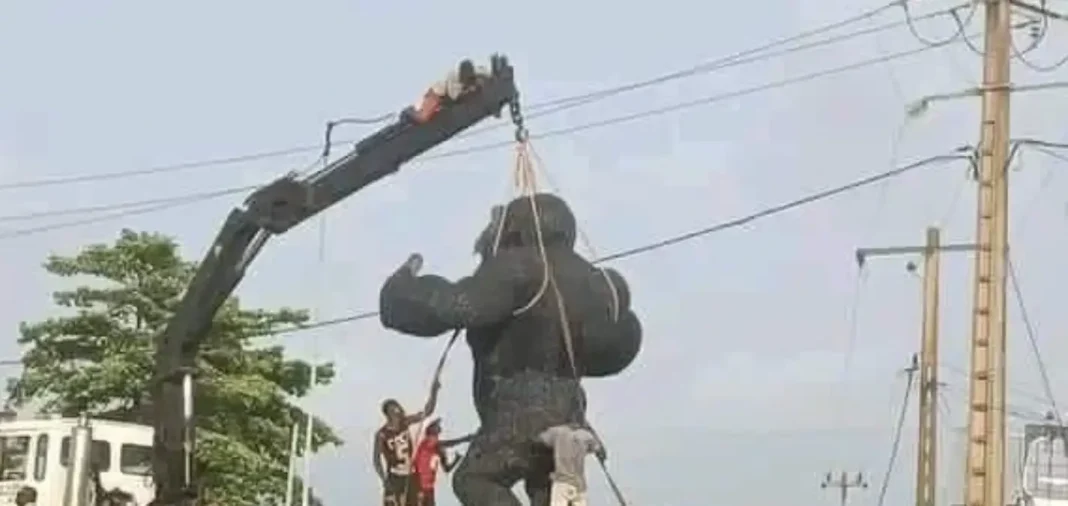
(55, 458)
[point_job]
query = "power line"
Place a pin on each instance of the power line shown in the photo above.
(743, 57)
(171, 202)
(1033, 340)
(815, 197)
(962, 25)
(764, 213)
(252, 157)
(139, 206)
(126, 205)
(720, 227)
(1015, 388)
(1019, 411)
(536, 110)
(718, 63)
(898, 429)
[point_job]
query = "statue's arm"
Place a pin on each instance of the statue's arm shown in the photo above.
(612, 332)
(430, 305)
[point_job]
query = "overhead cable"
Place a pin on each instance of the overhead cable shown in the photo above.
(688, 236)
(1037, 37)
(1032, 339)
(898, 430)
(171, 202)
(743, 57)
(961, 25)
(536, 110)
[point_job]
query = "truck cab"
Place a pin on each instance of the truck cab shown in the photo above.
(36, 453)
(1044, 469)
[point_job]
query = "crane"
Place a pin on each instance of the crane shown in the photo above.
(275, 209)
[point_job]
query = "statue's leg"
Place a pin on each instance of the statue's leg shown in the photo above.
(536, 482)
(538, 488)
(487, 474)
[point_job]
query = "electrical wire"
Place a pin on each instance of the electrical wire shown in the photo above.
(740, 58)
(1014, 388)
(1032, 339)
(172, 202)
(715, 64)
(862, 273)
(910, 20)
(1050, 153)
(127, 205)
(851, 340)
(719, 227)
(764, 213)
(536, 110)
(1037, 38)
(1016, 411)
(770, 211)
(898, 430)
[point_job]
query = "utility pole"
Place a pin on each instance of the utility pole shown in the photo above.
(927, 365)
(985, 472)
(927, 451)
(844, 485)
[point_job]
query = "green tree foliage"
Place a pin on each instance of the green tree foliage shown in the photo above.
(97, 358)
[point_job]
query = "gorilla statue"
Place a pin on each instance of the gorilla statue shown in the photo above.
(523, 376)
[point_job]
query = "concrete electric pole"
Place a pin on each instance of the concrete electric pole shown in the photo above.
(927, 365)
(985, 471)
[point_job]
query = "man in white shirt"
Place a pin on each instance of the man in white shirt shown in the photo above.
(570, 443)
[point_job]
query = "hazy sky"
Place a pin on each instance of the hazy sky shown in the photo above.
(741, 383)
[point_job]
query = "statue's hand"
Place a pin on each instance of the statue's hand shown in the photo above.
(413, 265)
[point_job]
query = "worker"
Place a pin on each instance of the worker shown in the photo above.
(26, 496)
(570, 444)
(456, 84)
(393, 445)
(428, 456)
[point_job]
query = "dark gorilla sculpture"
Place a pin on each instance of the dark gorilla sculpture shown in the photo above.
(523, 381)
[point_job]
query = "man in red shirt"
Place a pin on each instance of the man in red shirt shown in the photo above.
(428, 456)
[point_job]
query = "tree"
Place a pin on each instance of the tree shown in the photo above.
(97, 358)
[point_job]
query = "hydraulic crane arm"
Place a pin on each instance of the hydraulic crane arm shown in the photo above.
(274, 209)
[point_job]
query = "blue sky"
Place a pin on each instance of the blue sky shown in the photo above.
(741, 382)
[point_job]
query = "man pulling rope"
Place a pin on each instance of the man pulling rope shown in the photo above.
(393, 445)
(570, 444)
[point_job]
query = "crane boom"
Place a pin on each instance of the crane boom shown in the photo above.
(271, 210)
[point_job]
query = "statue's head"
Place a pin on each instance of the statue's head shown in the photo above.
(554, 217)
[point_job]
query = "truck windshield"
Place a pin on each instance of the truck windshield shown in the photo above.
(14, 457)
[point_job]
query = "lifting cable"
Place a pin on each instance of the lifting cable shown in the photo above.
(526, 181)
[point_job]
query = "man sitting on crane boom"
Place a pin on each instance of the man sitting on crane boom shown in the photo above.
(456, 84)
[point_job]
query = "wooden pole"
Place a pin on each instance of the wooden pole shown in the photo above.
(927, 452)
(984, 475)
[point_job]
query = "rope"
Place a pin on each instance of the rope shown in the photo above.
(525, 177)
(526, 181)
(527, 184)
(422, 423)
(583, 237)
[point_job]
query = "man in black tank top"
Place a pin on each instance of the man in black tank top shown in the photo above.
(394, 445)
